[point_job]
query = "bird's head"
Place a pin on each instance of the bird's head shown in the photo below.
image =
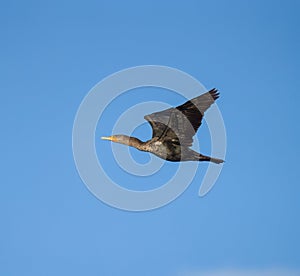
(125, 140)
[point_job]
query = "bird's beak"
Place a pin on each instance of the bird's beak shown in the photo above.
(110, 138)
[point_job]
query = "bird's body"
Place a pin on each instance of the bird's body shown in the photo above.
(173, 131)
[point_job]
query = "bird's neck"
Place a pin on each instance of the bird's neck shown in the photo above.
(136, 143)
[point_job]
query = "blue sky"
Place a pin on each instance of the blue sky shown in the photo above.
(53, 53)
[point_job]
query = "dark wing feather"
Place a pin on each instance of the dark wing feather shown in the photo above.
(181, 123)
(195, 108)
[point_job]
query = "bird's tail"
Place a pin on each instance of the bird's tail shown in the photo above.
(216, 160)
(210, 159)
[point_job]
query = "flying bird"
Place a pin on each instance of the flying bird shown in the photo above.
(173, 130)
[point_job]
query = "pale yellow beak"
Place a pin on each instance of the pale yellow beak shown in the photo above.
(110, 138)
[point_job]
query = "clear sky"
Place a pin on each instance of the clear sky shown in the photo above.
(54, 52)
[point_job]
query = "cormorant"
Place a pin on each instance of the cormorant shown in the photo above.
(173, 130)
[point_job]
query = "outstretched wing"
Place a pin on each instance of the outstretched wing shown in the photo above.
(181, 123)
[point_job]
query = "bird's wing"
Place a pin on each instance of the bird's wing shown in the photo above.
(181, 123)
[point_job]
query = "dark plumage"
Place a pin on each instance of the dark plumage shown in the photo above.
(173, 130)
